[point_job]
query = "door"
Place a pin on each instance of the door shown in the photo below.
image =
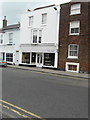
(39, 60)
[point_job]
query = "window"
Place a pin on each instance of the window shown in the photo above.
(34, 36)
(30, 20)
(72, 67)
(10, 37)
(73, 51)
(9, 57)
(44, 18)
(1, 39)
(74, 28)
(49, 59)
(25, 57)
(75, 9)
(40, 36)
(37, 36)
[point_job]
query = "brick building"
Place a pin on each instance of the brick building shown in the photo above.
(74, 39)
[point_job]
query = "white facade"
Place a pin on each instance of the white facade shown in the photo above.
(39, 37)
(9, 49)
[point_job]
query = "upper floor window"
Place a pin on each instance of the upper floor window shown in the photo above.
(30, 20)
(34, 36)
(40, 36)
(73, 51)
(44, 18)
(74, 28)
(10, 37)
(37, 36)
(1, 39)
(75, 9)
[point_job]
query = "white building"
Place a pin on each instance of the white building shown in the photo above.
(39, 37)
(9, 42)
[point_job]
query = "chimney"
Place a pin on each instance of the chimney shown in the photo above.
(4, 22)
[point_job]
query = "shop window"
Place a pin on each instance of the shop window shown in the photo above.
(9, 57)
(26, 58)
(49, 59)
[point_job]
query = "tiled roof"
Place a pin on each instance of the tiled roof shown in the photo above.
(15, 26)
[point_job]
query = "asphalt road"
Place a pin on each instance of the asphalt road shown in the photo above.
(47, 96)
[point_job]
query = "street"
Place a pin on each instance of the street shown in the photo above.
(32, 94)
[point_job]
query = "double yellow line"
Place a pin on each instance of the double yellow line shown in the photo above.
(14, 106)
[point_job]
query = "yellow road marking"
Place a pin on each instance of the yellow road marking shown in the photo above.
(14, 111)
(32, 114)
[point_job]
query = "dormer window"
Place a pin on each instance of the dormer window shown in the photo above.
(75, 9)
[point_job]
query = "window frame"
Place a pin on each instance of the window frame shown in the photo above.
(70, 24)
(10, 38)
(71, 63)
(44, 18)
(74, 9)
(31, 21)
(9, 57)
(73, 57)
(1, 39)
(39, 35)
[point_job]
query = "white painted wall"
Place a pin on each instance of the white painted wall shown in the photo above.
(11, 48)
(49, 31)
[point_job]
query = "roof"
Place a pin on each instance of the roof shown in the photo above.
(44, 7)
(14, 26)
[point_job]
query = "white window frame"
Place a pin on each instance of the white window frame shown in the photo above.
(10, 39)
(1, 39)
(73, 57)
(72, 25)
(71, 63)
(75, 9)
(38, 35)
(44, 18)
(10, 57)
(31, 21)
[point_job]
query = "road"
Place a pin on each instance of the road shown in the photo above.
(34, 95)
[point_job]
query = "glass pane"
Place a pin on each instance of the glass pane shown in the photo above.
(76, 30)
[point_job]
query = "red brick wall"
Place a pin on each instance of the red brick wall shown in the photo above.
(65, 39)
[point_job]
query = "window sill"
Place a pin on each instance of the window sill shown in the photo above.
(36, 43)
(44, 25)
(75, 14)
(72, 57)
(74, 34)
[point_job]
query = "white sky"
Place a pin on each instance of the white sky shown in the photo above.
(13, 8)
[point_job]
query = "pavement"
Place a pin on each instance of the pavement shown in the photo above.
(51, 71)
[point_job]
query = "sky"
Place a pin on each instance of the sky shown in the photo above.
(13, 8)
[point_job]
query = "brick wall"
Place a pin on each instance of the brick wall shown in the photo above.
(82, 40)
